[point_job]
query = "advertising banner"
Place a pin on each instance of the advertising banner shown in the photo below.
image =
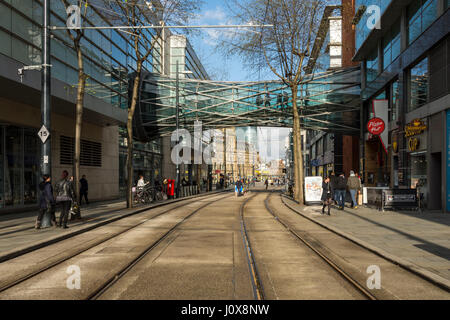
(381, 111)
(313, 189)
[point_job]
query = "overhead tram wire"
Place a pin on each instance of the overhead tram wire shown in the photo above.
(160, 27)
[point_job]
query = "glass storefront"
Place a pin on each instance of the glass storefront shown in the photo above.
(19, 166)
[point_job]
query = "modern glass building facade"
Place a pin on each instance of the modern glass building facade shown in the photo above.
(109, 59)
(406, 64)
(335, 151)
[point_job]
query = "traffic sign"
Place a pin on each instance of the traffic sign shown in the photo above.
(43, 134)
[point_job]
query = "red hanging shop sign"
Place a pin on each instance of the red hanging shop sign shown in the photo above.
(376, 126)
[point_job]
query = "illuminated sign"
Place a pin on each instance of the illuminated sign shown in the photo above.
(415, 128)
(376, 126)
(413, 144)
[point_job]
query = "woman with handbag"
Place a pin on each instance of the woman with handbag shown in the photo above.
(46, 201)
(327, 193)
(64, 196)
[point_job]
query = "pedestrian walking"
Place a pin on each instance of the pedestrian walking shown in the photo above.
(354, 186)
(341, 186)
(84, 187)
(326, 195)
(46, 201)
(333, 180)
(64, 197)
(266, 183)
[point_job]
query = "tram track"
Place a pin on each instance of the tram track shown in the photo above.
(96, 225)
(112, 280)
(339, 270)
(19, 280)
(260, 276)
(402, 268)
(258, 290)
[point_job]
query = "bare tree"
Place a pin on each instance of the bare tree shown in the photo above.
(76, 35)
(284, 48)
(136, 14)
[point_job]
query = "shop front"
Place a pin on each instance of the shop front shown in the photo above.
(19, 167)
(417, 149)
(377, 163)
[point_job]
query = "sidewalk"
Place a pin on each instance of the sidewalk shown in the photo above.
(420, 242)
(18, 236)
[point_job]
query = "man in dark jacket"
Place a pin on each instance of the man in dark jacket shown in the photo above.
(341, 187)
(64, 196)
(46, 201)
(84, 189)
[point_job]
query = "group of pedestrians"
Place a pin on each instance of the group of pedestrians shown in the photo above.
(241, 186)
(63, 195)
(334, 189)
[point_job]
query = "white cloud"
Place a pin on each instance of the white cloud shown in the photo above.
(216, 16)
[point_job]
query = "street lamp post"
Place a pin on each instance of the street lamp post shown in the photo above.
(45, 93)
(177, 103)
(44, 132)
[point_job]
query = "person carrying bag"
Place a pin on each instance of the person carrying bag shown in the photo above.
(327, 195)
(64, 196)
(46, 201)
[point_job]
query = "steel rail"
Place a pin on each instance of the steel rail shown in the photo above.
(333, 265)
(80, 251)
(113, 279)
(258, 290)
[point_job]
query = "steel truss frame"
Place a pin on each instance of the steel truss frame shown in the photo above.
(328, 101)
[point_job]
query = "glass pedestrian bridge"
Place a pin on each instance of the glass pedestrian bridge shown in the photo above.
(327, 101)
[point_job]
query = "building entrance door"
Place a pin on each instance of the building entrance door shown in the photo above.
(435, 182)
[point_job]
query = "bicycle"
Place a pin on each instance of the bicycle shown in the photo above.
(142, 195)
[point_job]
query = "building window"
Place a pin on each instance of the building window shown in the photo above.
(418, 79)
(394, 101)
(421, 13)
(372, 67)
(391, 45)
(319, 147)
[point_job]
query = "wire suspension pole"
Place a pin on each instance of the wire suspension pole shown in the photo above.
(163, 27)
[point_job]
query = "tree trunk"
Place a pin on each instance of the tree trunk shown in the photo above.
(131, 110)
(298, 156)
(78, 121)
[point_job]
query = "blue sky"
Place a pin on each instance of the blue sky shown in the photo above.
(214, 12)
